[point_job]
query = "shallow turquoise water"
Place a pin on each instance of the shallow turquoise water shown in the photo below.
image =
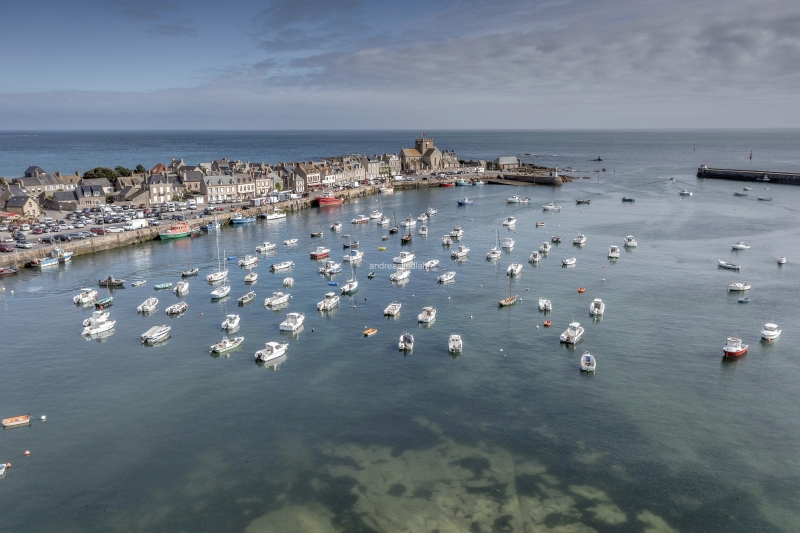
(350, 433)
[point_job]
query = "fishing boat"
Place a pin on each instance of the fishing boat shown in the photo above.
(737, 193)
(248, 260)
(404, 257)
(8, 271)
(569, 262)
(54, 257)
(545, 304)
(406, 239)
(514, 269)
(580, 240)
(551, 207)
(465, 201)
(238, 218)
(613, 252)
(555, 239)
(360, 219)
(393, 309)
(764, 199)
(572, 334)
(684, 192)
(597, 307)
(734, 347)
(630, 242)
(433, 263)
(252, 277)
(211, 226)
(331, 267)
(294, 321)
(729, 266)
(272, 350)
(96, 318)
(427, 316)
(447, 276)
(330, 301)
(407, 223)
(148, 306)
(740, 246)
(247, 298)
(320, 253)
(738, 287)
(541, 224)
(457, 233)
(588, 363)
(15, 421)
(509, 222)
(290, 242)
(460, 252)
(139, 283)
(510, 300)
(177, 308)
(579, 202)
(86, 296)
(288, 282)
(781, 260)
(278, 298)
(190, 272)
(454, 343)
(401, 274)
(328, 198)
(281, 266)
(227, 344)
(96, 328)
(317, 234)
(220, 292)
(275, 215)
(111, 281)
(508, 244)
(545, 248)
(181, 288)
(231, 322)
(406, 342)
(163, 286)
(176, 230)
(336, 226)
(423, 217)
(628, 199)
(770, 332)
(156, 334)
(102, 303)
(446, 240)
(394, 229)
(423, 230)
(369, 332)
(535, 257)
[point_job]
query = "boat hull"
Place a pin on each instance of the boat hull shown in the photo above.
(166, 236)
(734, 353)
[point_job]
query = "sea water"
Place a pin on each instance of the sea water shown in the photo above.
(349, 434)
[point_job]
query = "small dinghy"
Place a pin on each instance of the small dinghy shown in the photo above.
(371, 275)
(139, 283)
(226, 345)
(369, 332)
(448, 276)
(588, 363)
(181, 288)
(729, 266)
(281, 266)
(190, 272)
(744, 300)
(252, 277)
(569, 262)
(15, 421)
(148, 306)
(247, 298)
(177, 309)
(163, 286)
(433, 263)
(231, 322)
(393, 309)
(289, 242)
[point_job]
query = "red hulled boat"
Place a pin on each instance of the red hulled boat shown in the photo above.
(328, 198)
(734, 347)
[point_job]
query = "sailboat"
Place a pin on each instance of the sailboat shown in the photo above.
(394, 228)
(352, 284)
(219, 274)
(511, 300)
(495, 252)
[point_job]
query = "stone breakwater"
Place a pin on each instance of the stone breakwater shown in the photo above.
(787, 178)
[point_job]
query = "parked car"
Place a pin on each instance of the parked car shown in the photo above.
(114, 229)
(8, 239)
(24, 244)
(78, 235)
(60, 237)
(6, 248)
(48, 240)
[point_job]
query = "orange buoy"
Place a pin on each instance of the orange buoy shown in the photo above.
(8, 465)
(581, 289)
(547, 323)
(27, 453)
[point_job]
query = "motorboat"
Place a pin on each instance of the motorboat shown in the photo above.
(433, 263)
(454, 343)
(684, 192)
(148, 306)
(729, 266)
(555, 239)
(423, 217)
(375, 214)
(580, 240)
(516, 199)
(386, 190)
(551, 207)
(770, 332)
(743, 300)
(156, 334)
(220, 292)
(331, 267)
(427, 315)
(336, 226)
(764, 199)
(508, 244)
(231, 322)
(459, 252)
(406, 342)
(630, 242)
(514, 269)
(139, 283)
(545, 304)
(277, 298)
(330, 301)
(181, 288)
(734, 347)
(16, 421)
(737, 193)
(272, 350)
(96, 318)
(95, 328)
(509, 222)
(294, 321)
(320, 253)
(211, 226)
(56, 256)
(479, 183)
(349, 243)
(86, 296)
(613, 252)
(111, 281)
(588, 363)
(449, 275)
(247, 298)
(275, 215)
(466, 201)
(252, 277)
(393, 309)
(431, 212)
(248, 260)
(162, 286)
(747, 189)
(290, 242)
(572, 334)
(446, 240)
(353, 256)
(226, 345)
(238, 218)
(781, 260)
(545, 247)
(360, 219)
(102, 303)
(568, 262)
(541, 224)
(457, 233)
(189, 273)
(461, 182)
(738, 287)
(281, 266)
(628, 199)
(740, 246)
(384, 221)
(584, 201)
(177, 308)
(404, 257)
(407, 223)
(288, 282)
(535, 257)
(423, 230)
(597, 307)
(400, 274)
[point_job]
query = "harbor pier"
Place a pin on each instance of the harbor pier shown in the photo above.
(787, 178)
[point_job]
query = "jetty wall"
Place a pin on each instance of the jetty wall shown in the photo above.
(787, 178)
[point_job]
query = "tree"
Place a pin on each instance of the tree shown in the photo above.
(122, 171)
(140, 169)
(101, 172)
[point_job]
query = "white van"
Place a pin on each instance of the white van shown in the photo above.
(192, 204)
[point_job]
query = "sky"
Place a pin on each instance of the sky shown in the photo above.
(410, 64)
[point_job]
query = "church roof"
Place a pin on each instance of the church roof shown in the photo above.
(411, 152)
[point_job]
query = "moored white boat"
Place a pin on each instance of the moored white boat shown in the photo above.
(545, 247)
(684, 192)
(400, 274)
(277, 298)
(330, 301)
(177, 308)
(331, 267)
(588, 363)
(248, 260)
(217, 275)
(431, 212)
(404, 257)
(459, 252)
(376, 214)
(423, 230)
(433, 263)
(96, 318)
(96, 328)
(247, 298)
(406, 342)
(353, 256)
(456, 233)
(770, 332)
(580, 239)
(272, 350)
(392, 309)
(450, 275)
(408, 222)
(227, 344)
(454, 343)
(265, 247)
(156, 334)
(535, 257)
(569, 261)
(288, 282)
(384, 221)
(252, 277)
(446, 240)
(738, 287)
(86, 297)
(423, 217)
(514, 269)
(360, 219)
(427, 315)
(182, 287)
(551, 207)
(781, 260)
(294, 321)
(729, 266)
(336, 226)
(231, 322)
(510, 221)
(221, 292)
(281, 266)
(290, 242)
(148, 306)
(630, 242)
(572, 334)
(189, 273)
(613, 252)
(508, 244)
(545, 304)
(597, 307)
(320, 253)
(740, 246)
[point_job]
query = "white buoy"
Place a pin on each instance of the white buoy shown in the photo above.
(448, 297)
(537, 327)
(470, 317)
(43, 418)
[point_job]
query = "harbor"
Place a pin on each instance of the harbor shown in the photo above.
(782, 178)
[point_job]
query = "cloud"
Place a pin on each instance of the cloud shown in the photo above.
(159, 17)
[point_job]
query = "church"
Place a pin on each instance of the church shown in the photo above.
(425, 156)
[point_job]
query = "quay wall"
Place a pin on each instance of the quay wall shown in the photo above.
(788, 178)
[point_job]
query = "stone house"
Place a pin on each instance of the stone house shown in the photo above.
(23, 205)
(507, 162)
(107, 186)
(219, 188)
(311, 178)
(161, 188)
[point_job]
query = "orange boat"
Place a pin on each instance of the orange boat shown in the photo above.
(16, 421)
(370, 332)
(581, 289)
(547, 323)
